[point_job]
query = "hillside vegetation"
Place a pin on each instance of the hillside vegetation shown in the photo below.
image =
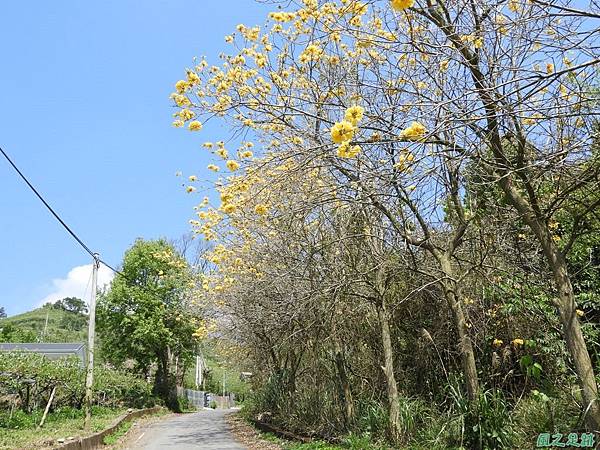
(61, 326)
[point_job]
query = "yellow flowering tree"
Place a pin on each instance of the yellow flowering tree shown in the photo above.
(400, 102)
(304, 104)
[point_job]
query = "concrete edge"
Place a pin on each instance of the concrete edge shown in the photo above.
(97, 440)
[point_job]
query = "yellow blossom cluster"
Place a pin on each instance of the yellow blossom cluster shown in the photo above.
(404, 159)
(232, 165)
(210, 220)
(205, 327)
(474, 39)
(181, 86)
(401, 5)
(180, 99)
(186, 114)
(261, 209)
(342, 131)
(345, 150)
(195, 125)
(250, 33)
(354, 114)
(282, 16)
(168, 257)
(312, 52)
(414, 132)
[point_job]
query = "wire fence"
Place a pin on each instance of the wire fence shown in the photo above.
(201, 399)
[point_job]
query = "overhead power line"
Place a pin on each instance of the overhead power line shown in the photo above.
(93, 254)
(113, 269)
(57, 217)
(35, 191)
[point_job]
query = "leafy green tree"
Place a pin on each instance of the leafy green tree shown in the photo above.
(146, 315)
(2, 312)
(72, 304)
(12, 333)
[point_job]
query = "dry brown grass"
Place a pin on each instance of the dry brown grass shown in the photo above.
(247, 435)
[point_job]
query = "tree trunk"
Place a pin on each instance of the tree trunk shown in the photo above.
(388, 370)
(465, 344)
(574, 337)
(164, 383)
(345, 391)
(565, 304)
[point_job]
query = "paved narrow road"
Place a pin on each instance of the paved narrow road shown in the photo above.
(200, 430)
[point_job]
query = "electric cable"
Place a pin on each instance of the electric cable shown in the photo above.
(57, 217)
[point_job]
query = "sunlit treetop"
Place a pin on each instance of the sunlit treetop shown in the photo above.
(379, 95)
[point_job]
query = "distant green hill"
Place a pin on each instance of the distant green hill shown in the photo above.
(62, 326)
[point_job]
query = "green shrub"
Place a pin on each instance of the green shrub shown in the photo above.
(492, 421)
(115, 388)
(539, 413)
(486, 424)
(317, 445)
(361, 442)
(20, 420)
(183, 404)
(372, 418)
(112, 388)
(213, 404)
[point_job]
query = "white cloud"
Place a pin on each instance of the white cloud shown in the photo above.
(78, 283)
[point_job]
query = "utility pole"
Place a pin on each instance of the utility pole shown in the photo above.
(45, 326)
(197, 380)
(89, 379)
(200, 371)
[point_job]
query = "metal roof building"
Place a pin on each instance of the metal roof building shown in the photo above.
(50, 350)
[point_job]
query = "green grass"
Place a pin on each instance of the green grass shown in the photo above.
(349, 443)
(113, 438)
(67, 422)
(289, 445)
(312, 446)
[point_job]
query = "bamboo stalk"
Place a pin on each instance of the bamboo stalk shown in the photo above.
(47, 408)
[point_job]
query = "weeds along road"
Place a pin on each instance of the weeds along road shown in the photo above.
(206, 429)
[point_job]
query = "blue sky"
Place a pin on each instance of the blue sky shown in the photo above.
(86, 116)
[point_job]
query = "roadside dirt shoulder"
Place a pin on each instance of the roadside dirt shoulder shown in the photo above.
(247, 435)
